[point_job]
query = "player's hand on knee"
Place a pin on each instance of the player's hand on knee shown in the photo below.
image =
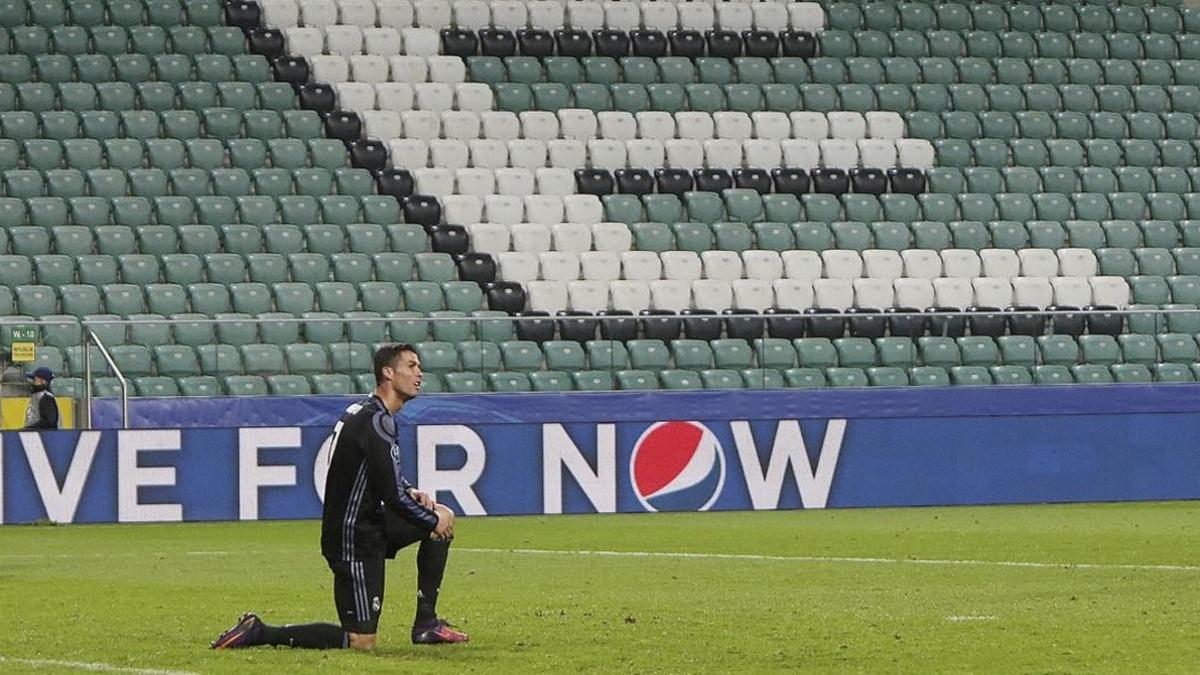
(445, 527)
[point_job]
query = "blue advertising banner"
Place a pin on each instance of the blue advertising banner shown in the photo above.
(638, 452)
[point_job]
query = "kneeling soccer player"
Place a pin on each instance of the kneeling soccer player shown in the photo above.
(371, 512)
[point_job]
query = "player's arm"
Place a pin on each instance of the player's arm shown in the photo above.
(381, 471)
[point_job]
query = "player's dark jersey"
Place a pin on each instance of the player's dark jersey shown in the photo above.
(363, 481)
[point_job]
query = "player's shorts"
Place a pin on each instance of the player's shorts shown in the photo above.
(358, 593)
(400, 533)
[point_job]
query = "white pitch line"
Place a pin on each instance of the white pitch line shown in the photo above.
(957, 617)
(840, 559)
(94, 667)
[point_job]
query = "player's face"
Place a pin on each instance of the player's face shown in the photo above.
(406, 375)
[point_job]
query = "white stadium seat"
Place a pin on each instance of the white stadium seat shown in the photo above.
(874, 293)
(793, 293)
(360, 13)
(1109, 291)
(576, 238)
(881, 264)
(343, 40)
(953, 292)
(488, 153)
(725, 265)
(408, 69)
(999, 262)
(993, 291)
(518, 266)
(833, 293)
(1077, 262)
(842, 264)
(629, 296)
(613, 237)
(1072, 291)
(960, 263)
(803, 265)
(395, 13)
(280, 13)
(712, 294)
(1038, 262)
(641, 266)
(694, 125)
(921, 263)
(490, 237)
(531, 237)
(547, 296)
(810, 125)
(504, 209)
(849, 125)
(451, 70)
(914, 292)
(764, 265)
(588, 296)
(681, 265)
(559, 265)
(408, 153)
(753, 294)
(1032, 292)
(600, 265)
(671, 295)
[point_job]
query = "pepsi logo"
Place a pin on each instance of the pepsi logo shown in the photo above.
(677, 466)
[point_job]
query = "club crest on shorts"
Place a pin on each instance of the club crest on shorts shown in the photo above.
(677, 466)
(376, 603)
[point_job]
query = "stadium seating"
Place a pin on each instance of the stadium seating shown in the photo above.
(666, 195)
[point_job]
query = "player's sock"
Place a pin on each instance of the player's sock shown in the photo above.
(306, 636)
(431, 565)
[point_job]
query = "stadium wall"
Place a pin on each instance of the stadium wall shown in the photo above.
(229, 459)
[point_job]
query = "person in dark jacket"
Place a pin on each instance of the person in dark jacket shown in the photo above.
(43, 409)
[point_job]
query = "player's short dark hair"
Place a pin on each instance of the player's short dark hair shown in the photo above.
(386, 355)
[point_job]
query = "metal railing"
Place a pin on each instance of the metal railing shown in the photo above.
(87, 388)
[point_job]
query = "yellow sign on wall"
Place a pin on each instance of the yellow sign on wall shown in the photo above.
(12, 413)
(24, 352)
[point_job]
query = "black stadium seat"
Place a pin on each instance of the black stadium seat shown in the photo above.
(712, 180)
(268, 42)
(907, 181)
(368, 154)
(798, 43)
(506, 296)
(868, 181)
(617, 325)
(534, 326)
(594, 182)
(701, 324)
(342, 125)
(576, 326)
(450, 239)
(535, 43)
(674, 181)
(791, 181)
(398, 183)
(422, 210)
(830, 181)
(244, 14)
(762, 44)
(575, 43)
(318, 96)
(497, 42)
(686, 43)
(659, 324)
(634, 181)
(459, 42)
(291, 69)
(724, 44)
(611, 43)
(477, 267)
(758, 180)
(648, 43)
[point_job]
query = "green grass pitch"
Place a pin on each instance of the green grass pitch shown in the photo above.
(1112, 588)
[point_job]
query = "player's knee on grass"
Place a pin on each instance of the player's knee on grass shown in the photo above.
(362, 641)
